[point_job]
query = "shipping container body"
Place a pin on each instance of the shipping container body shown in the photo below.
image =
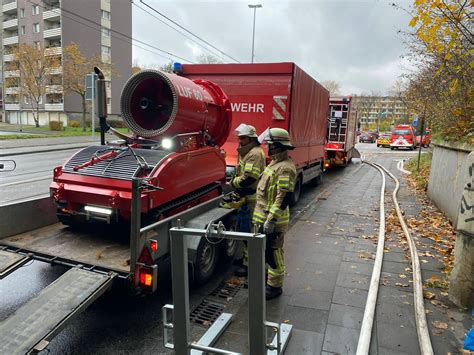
(272, 95)
(341, 133)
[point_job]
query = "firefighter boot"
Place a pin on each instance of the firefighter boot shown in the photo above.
(241, 271)
(272, 292)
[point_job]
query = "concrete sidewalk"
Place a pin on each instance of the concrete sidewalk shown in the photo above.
(329, 259)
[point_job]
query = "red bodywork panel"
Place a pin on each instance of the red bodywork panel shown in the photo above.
(272, 95)
(406, 139)
(178, 174)
(340, 142)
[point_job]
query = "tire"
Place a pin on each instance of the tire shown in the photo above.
(378, 145)
(297, 192)
(316, 181)
(206, 261)
(229, 247)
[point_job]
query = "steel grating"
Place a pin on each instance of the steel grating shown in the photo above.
(124, 166)
(206, 313)
(47, 313)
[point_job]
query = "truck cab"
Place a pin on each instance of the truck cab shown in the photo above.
(403, 136)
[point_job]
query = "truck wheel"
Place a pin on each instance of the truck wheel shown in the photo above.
(316, 181)
(296, 192)
(206, 261)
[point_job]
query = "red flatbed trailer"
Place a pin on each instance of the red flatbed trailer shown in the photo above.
(274, 95)
(341, 134)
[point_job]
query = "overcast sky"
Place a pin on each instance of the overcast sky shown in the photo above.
(352, 42)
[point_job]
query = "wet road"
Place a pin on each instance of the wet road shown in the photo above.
(119, 322)
(32, 175)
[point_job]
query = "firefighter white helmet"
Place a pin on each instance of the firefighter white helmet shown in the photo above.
(246, 130)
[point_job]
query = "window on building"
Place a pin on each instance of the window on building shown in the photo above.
(22, 12)
(106, 50)
(105, 32)
(22, 30)
(105, 14)
(109, 101)
(36, 27)
(37, 44)
(35, 9)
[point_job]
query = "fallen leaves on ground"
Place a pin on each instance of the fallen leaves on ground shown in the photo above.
(366, 255)
(429, 295)
(439, 325)
(436, 282)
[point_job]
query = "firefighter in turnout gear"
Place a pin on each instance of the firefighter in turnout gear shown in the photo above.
(249, 168)
(272, 214)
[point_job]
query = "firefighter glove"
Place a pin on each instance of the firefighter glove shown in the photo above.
(269, 254)
(268, 227)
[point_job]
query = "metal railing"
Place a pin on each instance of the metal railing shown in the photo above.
(258, 327)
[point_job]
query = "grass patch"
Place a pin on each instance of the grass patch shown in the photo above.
(420, 178)
(45, 132)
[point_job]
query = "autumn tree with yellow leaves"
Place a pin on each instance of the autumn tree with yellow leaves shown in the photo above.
(35, 67)
(75, 68)
(441, 47)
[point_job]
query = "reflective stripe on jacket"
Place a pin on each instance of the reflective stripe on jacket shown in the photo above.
(250, 165)
(277, 179)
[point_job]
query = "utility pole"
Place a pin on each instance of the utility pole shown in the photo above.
(254, 7)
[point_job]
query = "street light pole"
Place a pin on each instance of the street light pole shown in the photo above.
(254, 7)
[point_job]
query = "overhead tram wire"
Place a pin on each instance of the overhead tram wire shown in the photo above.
(188, 31)
(181, 33)
(114, 31)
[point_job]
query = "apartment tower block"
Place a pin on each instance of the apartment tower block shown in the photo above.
(95, 25)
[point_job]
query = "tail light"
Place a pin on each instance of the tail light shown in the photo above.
(147, 277)
(57, 171)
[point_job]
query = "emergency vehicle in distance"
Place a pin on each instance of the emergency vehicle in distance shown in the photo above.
(403, 136)
(273, 95)
(341, 136)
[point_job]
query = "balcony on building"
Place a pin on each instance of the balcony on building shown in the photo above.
(9, 6)
(10, 21)
(56, 71)
(52, 11)
(54, 89)
(54, 102)
(8, 54)
(106, 58)
(52, 29)
(12, 90)
(10, 37)
(12, 107)
(11, 73)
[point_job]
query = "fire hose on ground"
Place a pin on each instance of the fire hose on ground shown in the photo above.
(424, 341)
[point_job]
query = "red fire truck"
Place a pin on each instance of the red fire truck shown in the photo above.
(341, 135)
(274, 95)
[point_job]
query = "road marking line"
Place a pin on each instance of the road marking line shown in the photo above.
(26, 181)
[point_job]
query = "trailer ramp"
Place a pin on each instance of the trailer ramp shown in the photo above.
(9, 262)
(34, 324)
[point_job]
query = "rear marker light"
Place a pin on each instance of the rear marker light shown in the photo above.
(153, 246)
